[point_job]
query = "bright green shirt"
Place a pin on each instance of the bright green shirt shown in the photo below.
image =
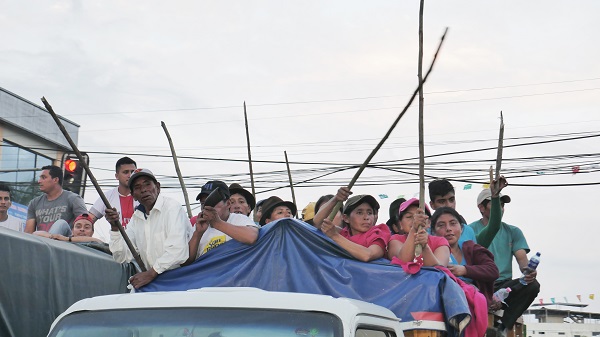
(488, 233)
(507, 241)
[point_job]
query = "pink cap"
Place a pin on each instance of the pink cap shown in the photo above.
(410, 202)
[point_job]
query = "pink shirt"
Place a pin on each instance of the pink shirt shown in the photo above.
(376, 235)
(433, 241)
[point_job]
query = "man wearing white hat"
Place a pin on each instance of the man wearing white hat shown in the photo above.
(508, 242)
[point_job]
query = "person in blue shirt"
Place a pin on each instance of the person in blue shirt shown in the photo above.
(441, 194)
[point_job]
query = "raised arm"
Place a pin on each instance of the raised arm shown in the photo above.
(244, 234)
(342, 195)
(488, 233)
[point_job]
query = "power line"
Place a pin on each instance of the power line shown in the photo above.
(341, 99)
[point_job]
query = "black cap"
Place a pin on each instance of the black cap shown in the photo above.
(238, 189)
(395, 210)
(356, 200)
(211, 186)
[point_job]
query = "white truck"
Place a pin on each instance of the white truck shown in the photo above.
(225, 312)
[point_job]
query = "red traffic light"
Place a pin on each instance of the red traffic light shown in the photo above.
(71, 165)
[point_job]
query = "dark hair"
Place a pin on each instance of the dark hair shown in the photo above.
(391, 222)
(485, 202)
(4, 188)
(395, 207)
(323, 199)
(124, 161)
(55, 172)
(439, 187)
(445, 210)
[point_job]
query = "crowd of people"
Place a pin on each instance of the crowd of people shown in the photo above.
(480, 253)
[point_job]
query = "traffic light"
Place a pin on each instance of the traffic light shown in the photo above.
(74, 174)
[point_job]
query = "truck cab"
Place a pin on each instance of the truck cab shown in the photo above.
(225, 312)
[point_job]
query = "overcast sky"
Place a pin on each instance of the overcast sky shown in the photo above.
(324, 80)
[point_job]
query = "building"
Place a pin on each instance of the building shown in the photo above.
(30, 140)
(551, 322)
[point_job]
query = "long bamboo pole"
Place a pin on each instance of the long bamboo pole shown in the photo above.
(116, 223)
(419, 248)
(287, 163)
(386, 136)
(176, 162)
(249, 152)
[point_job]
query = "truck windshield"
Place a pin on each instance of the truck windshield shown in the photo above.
(198, 322)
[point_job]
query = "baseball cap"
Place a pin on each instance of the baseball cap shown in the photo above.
(309, 211)
(410, 202)
(140, 173)
(486, 194)
(356, 200)
(394, 206)
(83, 216)
(211, 186)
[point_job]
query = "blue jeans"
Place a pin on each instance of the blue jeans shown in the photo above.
(61, 227)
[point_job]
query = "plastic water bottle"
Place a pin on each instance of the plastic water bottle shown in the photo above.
(502, 294)
(531, 266)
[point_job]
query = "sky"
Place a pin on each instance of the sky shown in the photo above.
(323, 81)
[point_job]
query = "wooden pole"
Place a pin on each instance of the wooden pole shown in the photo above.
(249, 153)
(500, 147)
(419, 248)
(174, 155)
(338, 205)
(287, 163)
(116, 223)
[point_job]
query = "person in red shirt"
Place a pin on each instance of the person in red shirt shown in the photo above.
(413, 222)
(363, 239)
(119, 197)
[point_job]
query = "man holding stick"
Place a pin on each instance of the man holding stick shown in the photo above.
(159, 230)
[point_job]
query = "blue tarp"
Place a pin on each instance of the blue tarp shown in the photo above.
(293, 256)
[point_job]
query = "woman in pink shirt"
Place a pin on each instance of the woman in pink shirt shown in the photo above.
(413, 221)
(363, 239)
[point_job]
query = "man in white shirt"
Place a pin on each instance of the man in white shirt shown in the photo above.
(159, 230)
(7, 220)
(119, 197)
(212, 231)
